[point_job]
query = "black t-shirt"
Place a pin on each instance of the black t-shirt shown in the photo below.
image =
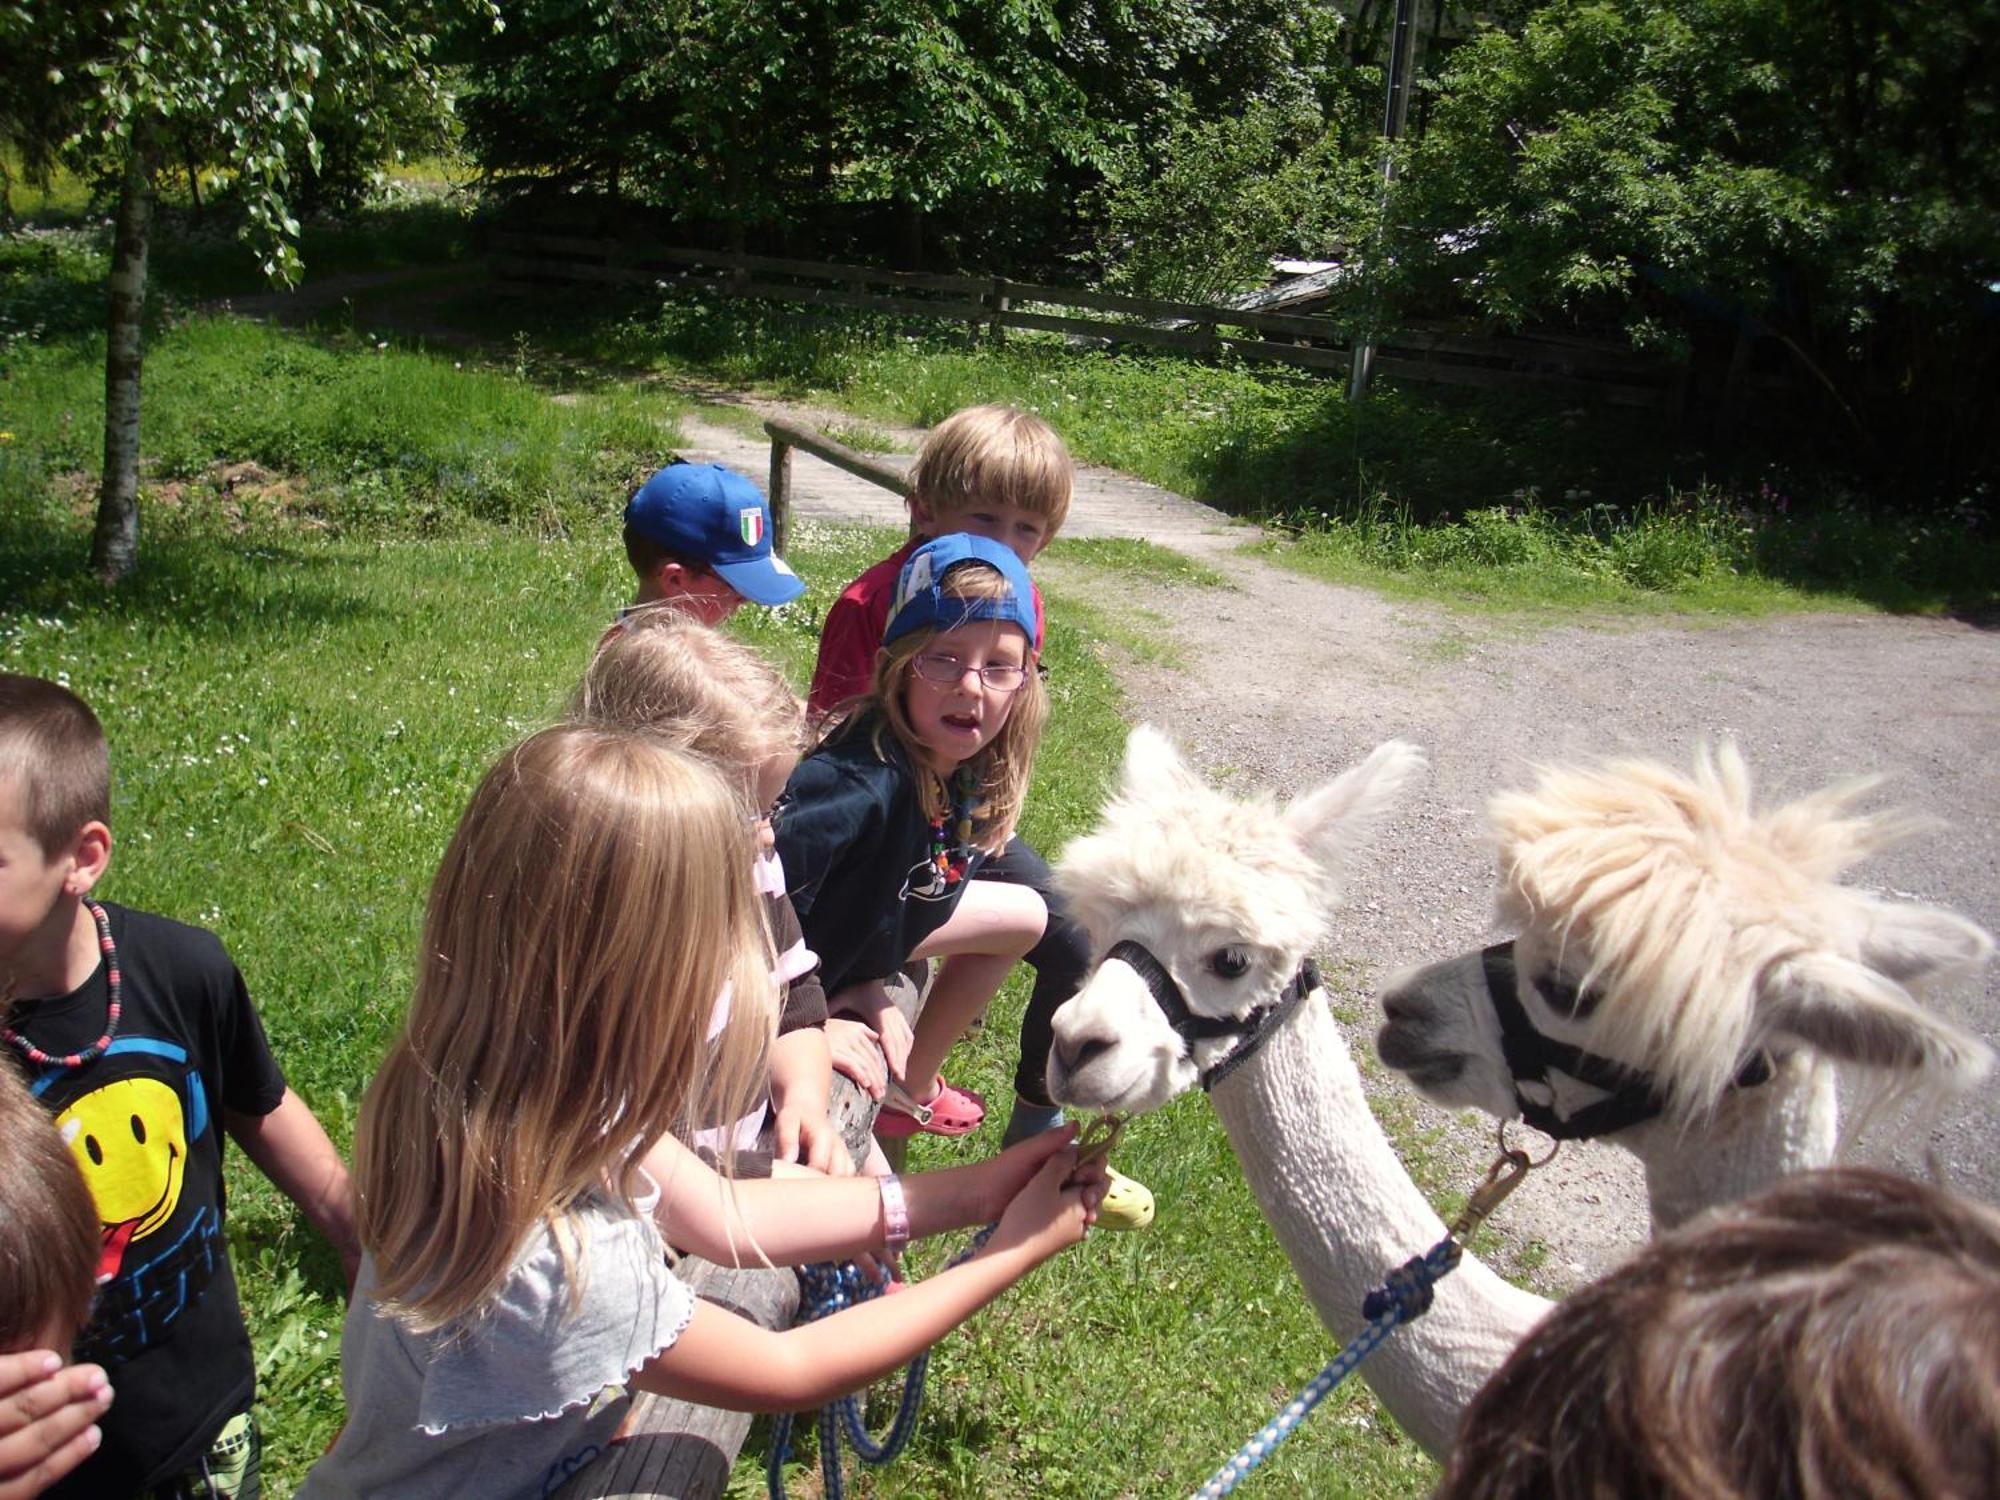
(856, 846)
(144, 1121)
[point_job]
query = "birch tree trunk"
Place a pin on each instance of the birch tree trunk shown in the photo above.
(114, 548)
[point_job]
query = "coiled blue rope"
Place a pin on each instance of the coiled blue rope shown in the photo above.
(1404, 1296)
(824, 1290)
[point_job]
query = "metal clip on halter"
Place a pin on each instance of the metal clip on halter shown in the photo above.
(1506, 1173)
(1095, 1140)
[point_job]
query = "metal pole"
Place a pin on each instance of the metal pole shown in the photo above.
(1402, 55)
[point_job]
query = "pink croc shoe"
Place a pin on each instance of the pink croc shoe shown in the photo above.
(948, 1111)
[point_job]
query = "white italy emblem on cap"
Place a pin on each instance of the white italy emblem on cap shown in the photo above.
(751, 524)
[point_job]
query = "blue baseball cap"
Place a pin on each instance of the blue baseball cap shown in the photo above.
(718, 518)
(922, 602)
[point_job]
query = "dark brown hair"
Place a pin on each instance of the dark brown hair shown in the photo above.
(647, 556)
(48, 1227)
(52, 748)
(1835, 1335)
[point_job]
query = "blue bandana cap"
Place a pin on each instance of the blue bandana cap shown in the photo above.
(922, 603)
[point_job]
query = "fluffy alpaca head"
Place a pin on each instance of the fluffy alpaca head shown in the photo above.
(1230, 896)
(1696, 930)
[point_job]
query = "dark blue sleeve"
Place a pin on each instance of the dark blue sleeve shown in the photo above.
(828, 822)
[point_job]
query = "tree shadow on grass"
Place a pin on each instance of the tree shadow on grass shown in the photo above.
(209, 585)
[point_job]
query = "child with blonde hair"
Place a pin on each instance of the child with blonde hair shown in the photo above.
(886, 823)
(669, 676)
(1003, 474)
(515, 1164)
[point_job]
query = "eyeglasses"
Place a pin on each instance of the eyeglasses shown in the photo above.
(945, 670)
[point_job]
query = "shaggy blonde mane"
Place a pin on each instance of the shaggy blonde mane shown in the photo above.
(1209, 860)
(1670, 896)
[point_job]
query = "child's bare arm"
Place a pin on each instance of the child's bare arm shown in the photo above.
(725, 1360)
(291, 1148)
(801, 1084)
(793, 1221)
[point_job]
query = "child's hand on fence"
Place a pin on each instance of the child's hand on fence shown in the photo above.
(807, 1136)
(856, 1049)
(869, 1003)
(48, 1415)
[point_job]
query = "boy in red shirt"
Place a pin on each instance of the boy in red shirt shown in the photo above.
(1004, 475)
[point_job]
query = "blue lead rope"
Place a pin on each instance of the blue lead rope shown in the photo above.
(1404, 1296)
(824, 1290)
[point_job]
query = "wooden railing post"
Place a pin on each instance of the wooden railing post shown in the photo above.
(1000, 302)
(781, 493)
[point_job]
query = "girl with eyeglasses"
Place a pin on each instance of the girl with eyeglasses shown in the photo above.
(918, 781)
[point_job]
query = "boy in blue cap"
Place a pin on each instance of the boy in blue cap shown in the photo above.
(699, 537)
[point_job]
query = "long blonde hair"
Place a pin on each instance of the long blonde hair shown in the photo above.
(693, 687)
(1006, 765)
(593, 903)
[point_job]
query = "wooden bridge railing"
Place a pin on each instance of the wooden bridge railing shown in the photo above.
(786, 435)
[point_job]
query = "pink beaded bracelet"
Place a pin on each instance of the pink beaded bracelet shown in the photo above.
(895, 1213)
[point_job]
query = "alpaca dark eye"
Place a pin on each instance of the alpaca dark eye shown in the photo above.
(1229, 963)
(1565, 998)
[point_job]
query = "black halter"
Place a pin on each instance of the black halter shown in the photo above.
(1252, 1030)
(1631, 1098)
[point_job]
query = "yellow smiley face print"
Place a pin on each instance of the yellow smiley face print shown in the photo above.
(130, 1139)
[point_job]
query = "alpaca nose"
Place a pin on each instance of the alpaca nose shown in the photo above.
(1078, 1052)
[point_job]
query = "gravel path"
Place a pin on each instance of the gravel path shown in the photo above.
(1281, 682)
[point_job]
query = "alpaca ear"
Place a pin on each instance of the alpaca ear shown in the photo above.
(1854, 1014)
(1341, 818)
(1920, 944)
(1154, 770)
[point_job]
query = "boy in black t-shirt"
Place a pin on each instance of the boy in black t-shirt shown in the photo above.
(137, 1035)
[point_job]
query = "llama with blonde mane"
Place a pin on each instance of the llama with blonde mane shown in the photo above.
(1204, 912)
(1687, 974)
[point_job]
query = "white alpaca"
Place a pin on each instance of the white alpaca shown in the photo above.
(1229, 899)
(1208, 906)
(1709, 954)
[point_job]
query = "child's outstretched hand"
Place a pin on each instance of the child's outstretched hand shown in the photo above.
(1054, 1208)
(48, 1415)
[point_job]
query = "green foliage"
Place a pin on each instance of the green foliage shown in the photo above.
(1198, 214)
(238, 82)
(1822, 170)
(738, 113)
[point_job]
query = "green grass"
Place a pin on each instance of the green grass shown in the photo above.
(380, 433)
(296, 719)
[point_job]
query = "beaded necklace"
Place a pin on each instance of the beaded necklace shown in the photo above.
(95, 1050)
(949, 856)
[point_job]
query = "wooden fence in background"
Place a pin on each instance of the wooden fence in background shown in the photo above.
(1572, 367)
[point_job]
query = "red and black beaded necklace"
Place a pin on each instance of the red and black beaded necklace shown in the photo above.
(95, 1050)
(951, 854)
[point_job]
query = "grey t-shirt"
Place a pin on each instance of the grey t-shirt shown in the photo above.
(514, 1402)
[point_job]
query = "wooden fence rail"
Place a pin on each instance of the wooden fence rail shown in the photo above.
(1565, 365)
(785, 435)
